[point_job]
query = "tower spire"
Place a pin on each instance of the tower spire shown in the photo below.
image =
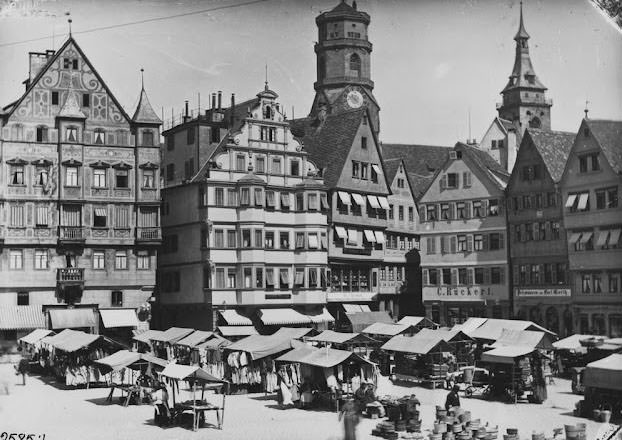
(522, 33)
(142, 79)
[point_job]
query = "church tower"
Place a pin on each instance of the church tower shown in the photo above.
(524, 96)
(343, 54)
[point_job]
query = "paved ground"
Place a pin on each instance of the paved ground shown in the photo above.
(42, 407)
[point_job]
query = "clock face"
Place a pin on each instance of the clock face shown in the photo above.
(354, 99)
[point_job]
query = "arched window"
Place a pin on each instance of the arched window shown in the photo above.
(268, 113)
(355, 65)
(535, 122)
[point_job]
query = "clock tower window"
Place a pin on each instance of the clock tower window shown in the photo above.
(355, 65)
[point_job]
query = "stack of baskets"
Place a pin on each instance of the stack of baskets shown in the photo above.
(575, 432)
(457, 424)
(385, 430)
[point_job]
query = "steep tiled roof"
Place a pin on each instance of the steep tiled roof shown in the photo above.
(144, 112)
(486, 163)
(554, 148)
(240, 112)
(422, 162)
(609, 136)
(391, 166)
(328, 143)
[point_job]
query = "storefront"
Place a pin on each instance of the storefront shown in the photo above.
(549, 307)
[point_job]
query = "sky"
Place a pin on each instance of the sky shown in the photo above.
(434, 62)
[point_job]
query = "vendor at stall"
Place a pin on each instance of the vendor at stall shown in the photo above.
(366, 399)
(452, 398)
(160, 404)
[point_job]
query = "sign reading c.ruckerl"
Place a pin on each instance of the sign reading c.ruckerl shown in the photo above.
(526, 293)
(475, 292)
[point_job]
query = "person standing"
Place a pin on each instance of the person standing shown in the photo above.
(452, 398)
(22, 367)
(350, 415)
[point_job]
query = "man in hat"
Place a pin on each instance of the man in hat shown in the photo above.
(452, 398)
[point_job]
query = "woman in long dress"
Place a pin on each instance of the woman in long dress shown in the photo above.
(349, 414)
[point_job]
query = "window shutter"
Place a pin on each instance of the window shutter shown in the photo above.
(547, 230)
(487, 275)
(485, 242)
(545, 200)
(470, 276)
(553, 274)
(515, 275)
(452, 211)
(443, 182)
(502, 275)
(426, 277)
(443, 244)
(467, 210)
(527, 274)
(469, 243)
(522, 233)
(452, 244)
(422, 214)
(464, 179)
(454, 277)
(501, 240)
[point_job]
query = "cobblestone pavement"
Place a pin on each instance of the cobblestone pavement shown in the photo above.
(42, 407)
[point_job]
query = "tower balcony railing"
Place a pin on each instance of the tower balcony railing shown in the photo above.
(152, 234)
(337, 42)
(70, 274)
(336, 80)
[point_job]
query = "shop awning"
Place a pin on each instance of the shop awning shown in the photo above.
(260, 346)
(73, 318)
(416, 345)
(233, 317)
(385, 329)
(570, 200)
(384, 202)
(369, 235)
(282, 317)
(127, 359)
(605, 373)
(333, 337)
(524, 338)
(194, 339)
(292, 333)
(491, 329)
(585, 237)
(583, 199)
(373, 201)
(322, 317)
(172, 335)
(362, 320)
(358, 199)
(21, 317)
(376, 168)
(214, 343)
(353, 236)
(297, 354)
(355, 308)
(75, 341)
(506, 355)
(574, 237)
(35, 336)
(602, 238)
(147, 335)
(112, 318)
(185, 372)
(341, 232)
(614, 237)
(236, 330)
(379, 237)
(417, 320)
(345, 198)
(572, 342)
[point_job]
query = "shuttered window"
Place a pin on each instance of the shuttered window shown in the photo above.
(17, 215)
(72, 216)
(122, 217)
(42, 215)
(148, 218)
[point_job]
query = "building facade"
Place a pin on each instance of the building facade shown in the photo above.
(592, 214)
(245, 237)
(79, 194)
(541, 285)
(463, 239)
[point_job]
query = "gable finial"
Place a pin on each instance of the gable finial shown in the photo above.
(586, 108)
(142, 78)
(69, 21)
(266, 83)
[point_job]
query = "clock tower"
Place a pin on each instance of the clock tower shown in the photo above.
(343, 54)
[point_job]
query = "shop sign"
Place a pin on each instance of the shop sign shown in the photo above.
(350, 296)
(465, 293)
(526, 293)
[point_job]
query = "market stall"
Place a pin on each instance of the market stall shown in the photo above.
(603, 389)
(490, 331)
(328, 374)
(186, 402)
(418, 358)
(575, 352)
(237, 332)
(183, 350)
(358, 321)
(142, 340)
(418, 322)
(462, 346)
(163, 343)
(515, 372)
(212, 356)
(356, 342)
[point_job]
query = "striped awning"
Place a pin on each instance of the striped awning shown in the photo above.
(72, 318)
(112, 318)
(282, 317)
(232, 317)
(21, 318)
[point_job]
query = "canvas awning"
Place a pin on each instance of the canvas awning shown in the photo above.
(186, 372)
(379, 237)
(333, 337)
(386, 329)
(292, 333)
(73, 318)
(52, 339)
(194, 339)
(605, 373)
(341, 232)
(362, 320)
(214, 343)
(506, 355)
(112, 318)
(21, 317)
(297, 354)
(524, 338)
(373, 201)
(369, 235)
(574, 237)
(282, 317)
(572, 342)
(233, 317)
(570, 200)
(35, 336)
(602, 238)
(322, 357)
(322, 317)
(355, 308)
(172, 335)
(470, 325)
(147, 335)
(260, 346)
(491, 329)
(376, 168)
(614, 237)
(583, 199)
(416, 344)
(75, 341)
(417, 320)
(345, 198)
(585, 237)
(236, 330)
(445, 334)
(358, 199)
(384, 202)
(127, 359)
(352, 236)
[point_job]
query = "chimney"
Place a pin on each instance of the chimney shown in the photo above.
(219, 100)
(213, 101)
(232, 111)
(37, 63)
(186, 115)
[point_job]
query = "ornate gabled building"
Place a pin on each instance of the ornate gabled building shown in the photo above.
(79, 200)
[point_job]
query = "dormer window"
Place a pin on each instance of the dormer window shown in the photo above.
(268, 113)
(71, 134)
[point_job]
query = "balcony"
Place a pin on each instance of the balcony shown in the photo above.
(149, 235)
(70, 276)
(71, 235)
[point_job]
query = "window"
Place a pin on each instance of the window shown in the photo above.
(219, 238)
(23, 298)
(42, 134)
(219, 196)
(143, 261)
(433, 277)
(231, 241)
(589, 162)
(231, 278)
(355, 169)
(220, 278)
(586, 283)
(613, 282)
(248, 277)
(535, 274)
(71, 134)
(284, 278)
(400, 213)
(551, 199)
(462, 276)
(17, 216)
(284, 240)
(601, 199)
(478, 242)
(355, 65)
(120, 260)
(495, 241)
(526, 201)
(478, 273)
(269, 240)
(116, 298)
(170, 172)
(391, 208)
(99, 217)
(364, 171)
(431, 245)
(190, 136)
(259, 278)
(54, 98)
(431, 214)
(452, 180)
(462, 243)
(411, 214)
(522, 275)
(71, 176)
(466, 179)
(260, 165)
(41, 259)
(400, 183)
(270, 199)
(276, 165)
(374, 173)
(258, 238)
(17, 175)
(299, 277)
(477, 209)
(496, 275)
(555, 230)
(270, 279)
(99, 260)
(246, 238)
(313, 279)
(245, 196)
(461, 210)
(300, 202)
(147, 138)
(538, 201)
(444, 211)
(612, 197)
(364, 142)
(232, 197)
(240, 162)
(493, 207)
(41, 219)
(312, 201)
(99, 178)
(148, 179)
(258, 197)
(41, 176)
(596, 283)
(294, 167)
